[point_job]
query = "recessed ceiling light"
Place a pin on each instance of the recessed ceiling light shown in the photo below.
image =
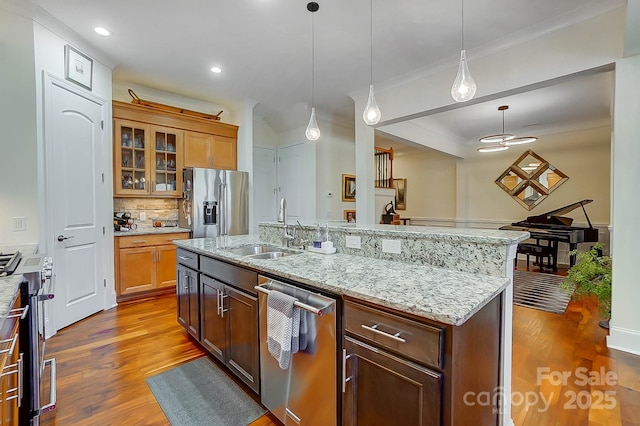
(102, 31)
(216, 70)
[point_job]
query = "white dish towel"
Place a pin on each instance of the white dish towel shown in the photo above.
(283, 320)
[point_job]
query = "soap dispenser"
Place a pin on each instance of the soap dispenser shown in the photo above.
(317, 238)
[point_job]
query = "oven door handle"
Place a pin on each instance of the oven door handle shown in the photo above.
(52, 388)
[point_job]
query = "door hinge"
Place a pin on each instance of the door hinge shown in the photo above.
(105, 283)
(102, 124)
(103, 230)
(103, 178)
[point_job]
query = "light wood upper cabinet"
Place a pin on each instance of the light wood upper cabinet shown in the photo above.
(197, 149)
(146, 159)
(225, 153)
(206, 150)
(152, 146)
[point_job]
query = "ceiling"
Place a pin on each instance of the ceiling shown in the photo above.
(264, 50)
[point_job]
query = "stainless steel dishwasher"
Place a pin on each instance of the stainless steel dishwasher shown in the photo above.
(306, 392)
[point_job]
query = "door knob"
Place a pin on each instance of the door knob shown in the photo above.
(62, 237)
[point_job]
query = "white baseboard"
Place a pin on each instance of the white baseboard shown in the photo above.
(624, 339)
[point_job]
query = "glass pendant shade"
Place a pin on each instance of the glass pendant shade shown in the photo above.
(464, 88)
(313, 131)
(371, 114)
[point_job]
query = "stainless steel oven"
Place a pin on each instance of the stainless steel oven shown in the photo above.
(38, 386)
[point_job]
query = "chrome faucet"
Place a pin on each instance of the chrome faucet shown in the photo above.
(282, 218)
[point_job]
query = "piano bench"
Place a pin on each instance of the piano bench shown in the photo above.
(540, 252)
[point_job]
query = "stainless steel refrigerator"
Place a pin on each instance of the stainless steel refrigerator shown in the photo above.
(214, 202)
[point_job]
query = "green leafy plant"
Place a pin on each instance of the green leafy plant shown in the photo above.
(591, 274)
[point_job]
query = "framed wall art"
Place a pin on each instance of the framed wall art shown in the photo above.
(78, 68)
(400, 185)
(350, 216)
(348, 188)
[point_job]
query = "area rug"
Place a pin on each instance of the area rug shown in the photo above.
(199, 393)
(538, 290)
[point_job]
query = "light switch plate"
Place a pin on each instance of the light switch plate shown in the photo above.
(391, 246)
(353, 242)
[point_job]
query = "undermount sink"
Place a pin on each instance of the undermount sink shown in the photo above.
(271, 255)
(254, 249)
(262, 251)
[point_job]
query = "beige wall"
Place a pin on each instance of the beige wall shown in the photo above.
(443, 187)
(431, 183)
(584, 156)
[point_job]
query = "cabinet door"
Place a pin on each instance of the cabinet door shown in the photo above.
(166, 266)
(213, 327)
(383, 389)
(182, 294)
(137, 270)
(131, 174)
(241, 313)
(225, 153)
(197, 149)
(165, 144)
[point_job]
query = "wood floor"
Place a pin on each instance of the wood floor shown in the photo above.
(103, 361)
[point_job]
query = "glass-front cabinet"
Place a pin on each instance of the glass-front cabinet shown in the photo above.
(146, 159)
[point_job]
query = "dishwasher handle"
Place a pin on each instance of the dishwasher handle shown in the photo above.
(315, 310)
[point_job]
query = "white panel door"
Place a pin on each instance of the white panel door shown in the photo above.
(293, 173)
(264, 186)
(73, 141)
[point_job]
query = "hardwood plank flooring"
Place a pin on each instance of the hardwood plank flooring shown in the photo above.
(103, 361)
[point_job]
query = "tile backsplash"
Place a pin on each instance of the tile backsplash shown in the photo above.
(152, 208)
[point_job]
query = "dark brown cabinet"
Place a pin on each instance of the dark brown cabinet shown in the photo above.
(188, 300)
(405, 370)
(222, 313)
(228, 319)
(383, 389)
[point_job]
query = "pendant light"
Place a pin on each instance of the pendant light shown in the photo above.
(464, 88)
(371, 114)
(313, 131)
(502, 141)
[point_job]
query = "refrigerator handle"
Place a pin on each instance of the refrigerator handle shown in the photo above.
(222, 210)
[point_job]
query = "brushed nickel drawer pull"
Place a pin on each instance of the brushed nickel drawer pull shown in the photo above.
(138, 241)
(395, 337)
(184, 258)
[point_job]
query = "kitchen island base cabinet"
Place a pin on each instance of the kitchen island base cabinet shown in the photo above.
(188, 299)
(228, 314)
(406, 370)
(384, 389)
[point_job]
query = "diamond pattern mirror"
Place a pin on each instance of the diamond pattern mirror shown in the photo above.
(530, 179)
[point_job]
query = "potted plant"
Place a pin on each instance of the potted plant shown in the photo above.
(591, 274)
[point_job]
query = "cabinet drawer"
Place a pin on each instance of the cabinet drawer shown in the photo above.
(411, 339)
(150, 239)
(238, 277)
(187, 258)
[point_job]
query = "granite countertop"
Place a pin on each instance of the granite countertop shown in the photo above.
(9, 286)
(147, 230)
(437, 294)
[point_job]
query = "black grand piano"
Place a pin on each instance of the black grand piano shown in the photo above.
(555, 228)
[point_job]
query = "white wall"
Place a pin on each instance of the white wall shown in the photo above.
(624, 333)
(18, 161)
(335, 156)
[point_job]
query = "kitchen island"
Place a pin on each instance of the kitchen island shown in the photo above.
(457, 335)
